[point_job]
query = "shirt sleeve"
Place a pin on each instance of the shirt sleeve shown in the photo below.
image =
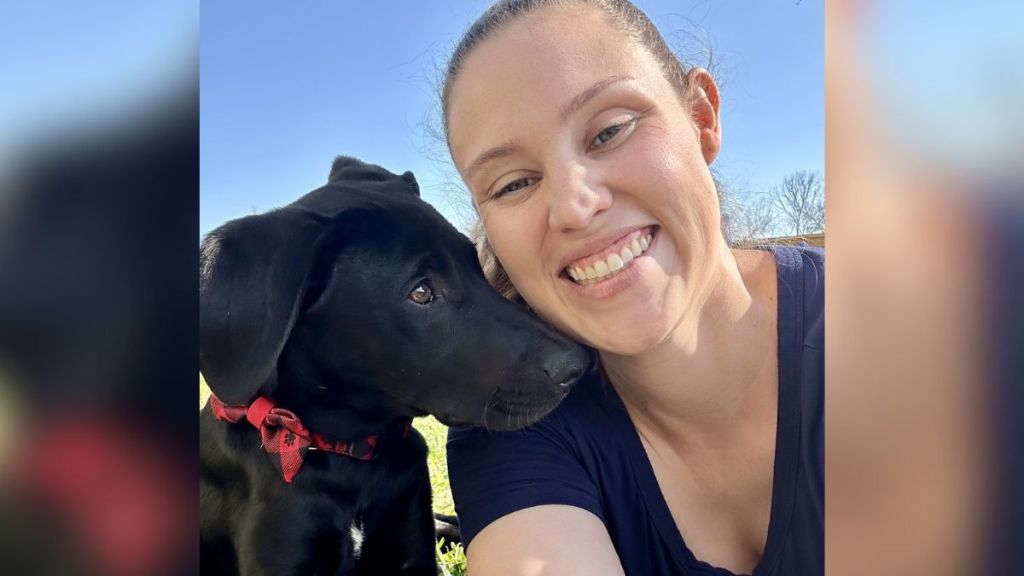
(496, 473)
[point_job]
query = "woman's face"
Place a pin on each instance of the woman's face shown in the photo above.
(590, 175)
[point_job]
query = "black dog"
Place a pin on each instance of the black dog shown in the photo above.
(353, 310)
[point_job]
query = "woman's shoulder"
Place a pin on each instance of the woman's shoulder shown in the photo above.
(808, 261)
(801, 288)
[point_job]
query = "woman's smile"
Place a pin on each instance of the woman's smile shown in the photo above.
(608, 261)
(610, 270)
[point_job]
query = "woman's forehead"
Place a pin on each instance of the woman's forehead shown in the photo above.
(536, 65)
(549, 43)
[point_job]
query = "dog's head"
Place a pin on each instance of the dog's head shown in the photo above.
(361, 294)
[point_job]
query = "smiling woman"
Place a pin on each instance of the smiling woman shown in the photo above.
(698, 446)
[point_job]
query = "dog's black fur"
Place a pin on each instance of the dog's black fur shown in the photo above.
(310, 305)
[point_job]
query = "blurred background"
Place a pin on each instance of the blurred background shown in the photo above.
(99, 184)
(924, 148)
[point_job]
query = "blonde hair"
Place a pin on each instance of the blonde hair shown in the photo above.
(493, 270)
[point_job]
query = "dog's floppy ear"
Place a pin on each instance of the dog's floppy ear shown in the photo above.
(346, 169)
(252, 276)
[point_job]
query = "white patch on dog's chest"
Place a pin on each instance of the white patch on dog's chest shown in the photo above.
(356, 532)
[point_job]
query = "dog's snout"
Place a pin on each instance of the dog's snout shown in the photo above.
(564, 370)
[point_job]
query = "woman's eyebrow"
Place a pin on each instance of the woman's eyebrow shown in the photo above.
(491, 154)
(587, 95)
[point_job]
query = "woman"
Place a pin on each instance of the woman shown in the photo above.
(697, 448)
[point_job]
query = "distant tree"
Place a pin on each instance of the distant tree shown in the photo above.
(799, 203)
(760, 217)
(748, 218)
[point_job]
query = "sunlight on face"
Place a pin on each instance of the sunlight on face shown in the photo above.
(577, 149)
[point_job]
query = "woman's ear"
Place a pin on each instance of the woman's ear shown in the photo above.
(704, 109)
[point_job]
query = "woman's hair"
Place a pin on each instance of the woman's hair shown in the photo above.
(622, 13)
(493, 269)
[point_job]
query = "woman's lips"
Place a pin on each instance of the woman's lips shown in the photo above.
(611, 261)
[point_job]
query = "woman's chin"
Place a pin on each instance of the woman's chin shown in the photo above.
(631, 342)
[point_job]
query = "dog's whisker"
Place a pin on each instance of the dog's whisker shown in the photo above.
(487, 406)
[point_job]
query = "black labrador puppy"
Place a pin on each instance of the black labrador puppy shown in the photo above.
(325, 327)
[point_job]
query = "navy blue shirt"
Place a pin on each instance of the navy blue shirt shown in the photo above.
(587, 453)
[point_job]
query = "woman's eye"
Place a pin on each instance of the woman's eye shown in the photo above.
(607, 134)
(422, 293)
(513, 186)
(611, 133)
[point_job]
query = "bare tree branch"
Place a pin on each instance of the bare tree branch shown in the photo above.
(800, 203)
(761, 217)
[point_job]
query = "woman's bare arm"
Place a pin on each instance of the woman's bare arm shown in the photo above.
(544, 540)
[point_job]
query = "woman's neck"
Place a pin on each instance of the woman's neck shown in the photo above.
(717, 368)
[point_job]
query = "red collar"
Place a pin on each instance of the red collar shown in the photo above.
(283, 434)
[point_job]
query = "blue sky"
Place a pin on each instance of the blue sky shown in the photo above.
(286, 87)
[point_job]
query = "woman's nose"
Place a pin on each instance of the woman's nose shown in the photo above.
(577, 195)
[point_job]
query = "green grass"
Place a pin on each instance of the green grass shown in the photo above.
(452, 562)
(436, 434)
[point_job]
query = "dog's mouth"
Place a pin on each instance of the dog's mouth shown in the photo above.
(507, 410)
(516, 399)
(512, 410)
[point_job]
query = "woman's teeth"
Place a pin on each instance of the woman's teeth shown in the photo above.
(611, 264)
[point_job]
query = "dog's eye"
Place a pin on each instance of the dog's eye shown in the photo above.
(422, 293)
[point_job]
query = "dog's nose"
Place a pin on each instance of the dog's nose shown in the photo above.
(564, 370)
